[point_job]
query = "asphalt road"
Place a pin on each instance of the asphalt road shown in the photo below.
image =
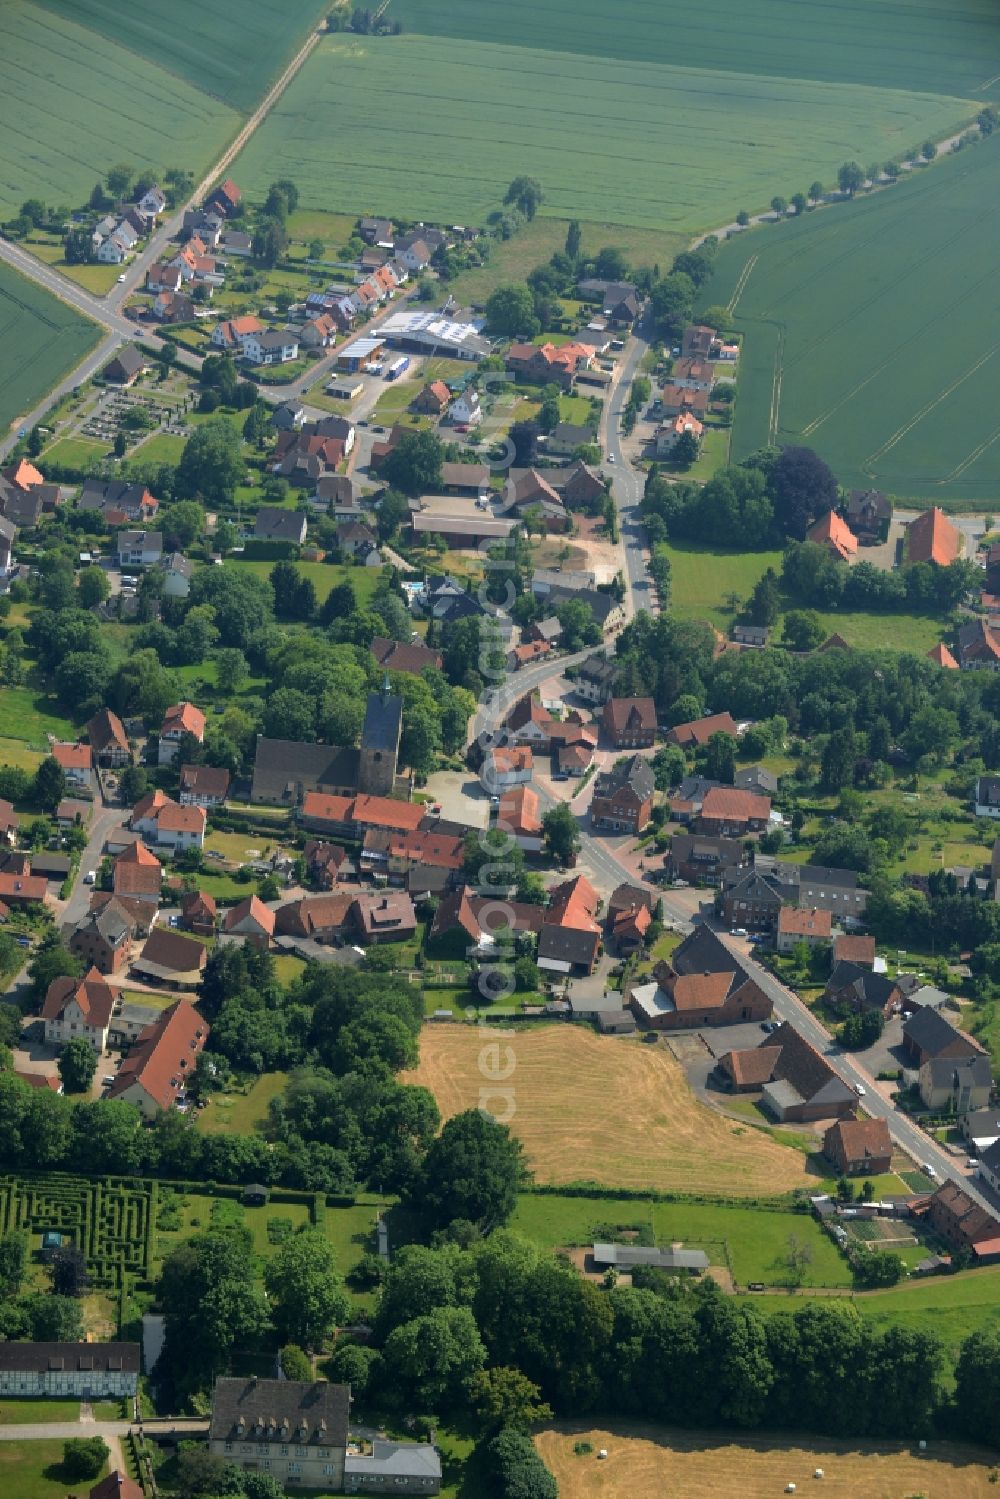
(788, 1006)
(627, 483)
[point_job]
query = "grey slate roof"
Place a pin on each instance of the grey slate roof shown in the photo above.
(625, 1256)
(634, 772)
(383, 720)
(285, 769)
(287, 1410)
(929, 1030)
(974, 1072)
(40, 1358)
(396, 1460)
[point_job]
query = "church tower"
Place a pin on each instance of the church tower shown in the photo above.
(380, 742)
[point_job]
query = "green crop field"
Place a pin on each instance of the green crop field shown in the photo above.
(673, 120)
(231, 49)
(40, 336)
(943, 52)
(870, 333)
(75, 101)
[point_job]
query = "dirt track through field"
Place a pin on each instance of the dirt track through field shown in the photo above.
(602, 1109)
(646, 1462)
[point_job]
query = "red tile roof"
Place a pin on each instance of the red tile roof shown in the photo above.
(574, 904)
(73, 756)
(22, 887)
(163, 1058)
(831, 531)
(136, 871)
(184, 718)
(384, 812)
(198, 905)
(148, 804)
(317, 804)
(859, 1138)
(798, 922)
(724, 803)
(636, 714)
(252, 909)
(700, 730)
(848, 949)
(177, 819)
(94, 995)
(942, 656)
(519, 812)
(933, 538)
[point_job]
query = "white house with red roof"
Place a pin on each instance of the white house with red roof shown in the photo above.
(180, 719)
(79, 1008)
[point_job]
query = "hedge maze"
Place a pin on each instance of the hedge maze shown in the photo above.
(111, 1220)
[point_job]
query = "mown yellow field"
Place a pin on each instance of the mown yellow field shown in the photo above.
(602, 1109)
(646, 1462)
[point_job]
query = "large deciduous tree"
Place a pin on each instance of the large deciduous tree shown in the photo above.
(211, 1304)
(307, 1295)
(471, 1171)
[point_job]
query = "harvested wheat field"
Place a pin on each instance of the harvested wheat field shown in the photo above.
(647, 1462)
(602, 1109)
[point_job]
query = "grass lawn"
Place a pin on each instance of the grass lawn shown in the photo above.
(21, 756)
(224, 886)
(75, 451)
(162, 447)
(240, 1113)
(287, 968)
(649, 1462)
(537, 241)
(97, 278)
(28, 714)
(150, 1001)
(33, 1469)
(578, 409)
(334, 229)
(237, 848)
(750, 1241)
(702, 578)
(23, 1412)
(604, 1109)
(714, 453)
(110, 1410)
(324, 576)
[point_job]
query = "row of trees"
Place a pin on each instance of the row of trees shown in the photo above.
(501, 1315)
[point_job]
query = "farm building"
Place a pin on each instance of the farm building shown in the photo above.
(857, 1146)
(628, 1256)
(796, 1083)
